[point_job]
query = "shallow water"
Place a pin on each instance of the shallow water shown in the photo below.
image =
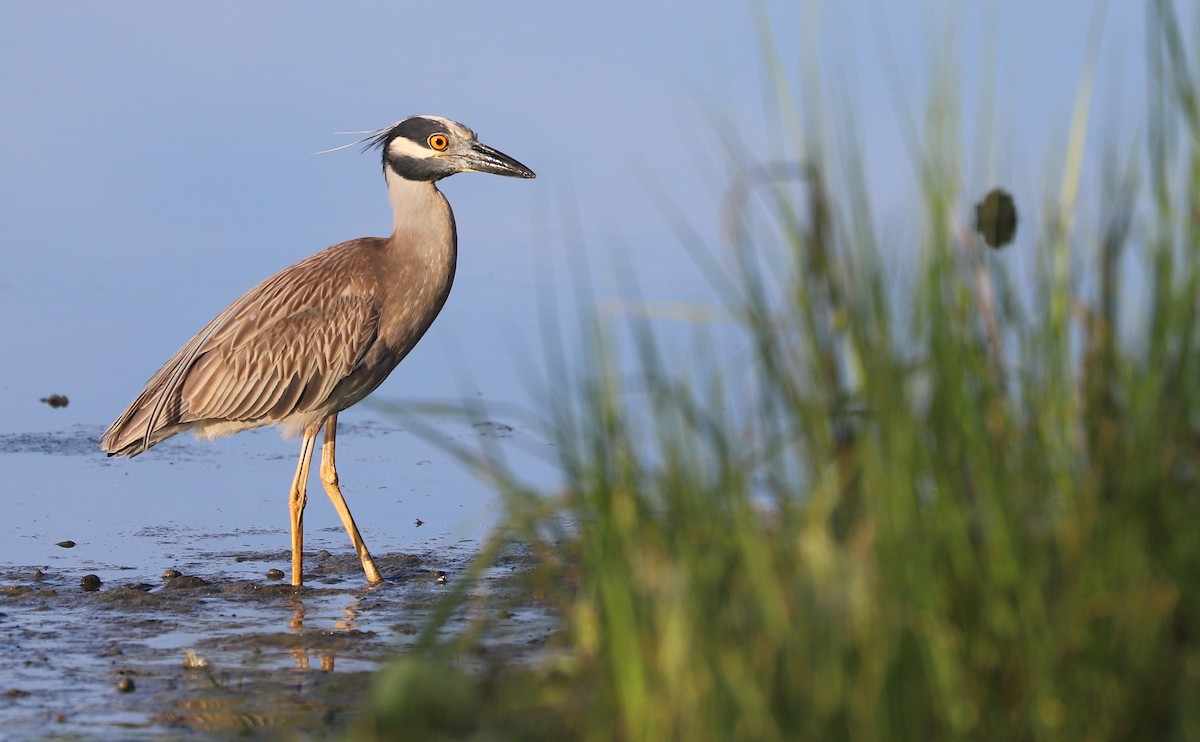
(186, 501)
(274, 657)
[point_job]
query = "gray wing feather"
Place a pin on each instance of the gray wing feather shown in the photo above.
(279, 350)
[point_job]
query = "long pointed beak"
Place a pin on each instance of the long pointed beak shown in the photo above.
(483, 159)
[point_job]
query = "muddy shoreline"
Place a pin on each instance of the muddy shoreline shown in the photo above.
(210, 655)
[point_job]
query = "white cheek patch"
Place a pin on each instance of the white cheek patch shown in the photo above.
(402, 147)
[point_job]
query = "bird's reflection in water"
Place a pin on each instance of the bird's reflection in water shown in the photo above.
(302, 654)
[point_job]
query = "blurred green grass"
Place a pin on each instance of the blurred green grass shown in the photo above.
(956, 507)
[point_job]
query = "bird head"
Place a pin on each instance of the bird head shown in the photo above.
(431, 147)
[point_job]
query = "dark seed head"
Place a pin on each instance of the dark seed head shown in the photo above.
(996, 218)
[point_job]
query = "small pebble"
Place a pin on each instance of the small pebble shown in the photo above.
(125, 685)
(66, 544)
(90, 582)
(274, 574)
(38, 574)
(323, 554)
(170, 574)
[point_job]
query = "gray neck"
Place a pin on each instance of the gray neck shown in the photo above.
(421, 216)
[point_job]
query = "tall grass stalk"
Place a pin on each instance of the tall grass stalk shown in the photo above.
(966, 512)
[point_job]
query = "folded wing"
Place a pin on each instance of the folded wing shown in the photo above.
(273, 356)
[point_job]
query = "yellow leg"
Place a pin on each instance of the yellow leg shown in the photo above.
(329, 478)
(296, 502)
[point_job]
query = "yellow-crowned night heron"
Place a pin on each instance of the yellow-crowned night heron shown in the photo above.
(319, 336)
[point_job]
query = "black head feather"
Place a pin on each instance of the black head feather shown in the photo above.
(417, 129)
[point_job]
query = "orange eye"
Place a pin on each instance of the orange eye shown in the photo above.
(438, 141)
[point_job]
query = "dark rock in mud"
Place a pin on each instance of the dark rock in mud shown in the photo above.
(184, 582)
(90, 582)
(66, 544)
(170, 574)
(274, 574)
